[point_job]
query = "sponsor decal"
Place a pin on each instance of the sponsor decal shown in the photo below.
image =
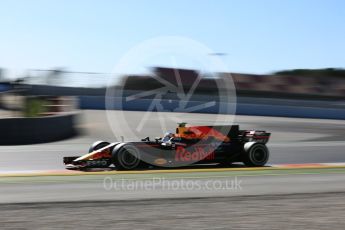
(160, 161)
(197, 154)
(99, 163)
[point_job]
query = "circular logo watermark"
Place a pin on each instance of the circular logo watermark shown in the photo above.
(184, 115)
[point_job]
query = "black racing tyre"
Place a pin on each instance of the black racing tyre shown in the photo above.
(256, 155)
(126, 156)
(98, 145)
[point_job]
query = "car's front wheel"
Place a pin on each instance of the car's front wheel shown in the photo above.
(126, 157)
(98, 145)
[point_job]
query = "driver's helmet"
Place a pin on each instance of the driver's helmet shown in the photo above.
(167, 137)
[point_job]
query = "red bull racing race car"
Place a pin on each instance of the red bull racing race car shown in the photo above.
(188, 145)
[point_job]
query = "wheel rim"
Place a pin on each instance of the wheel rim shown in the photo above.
(129, 158)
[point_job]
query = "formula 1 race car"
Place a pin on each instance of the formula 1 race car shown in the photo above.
(189, 145)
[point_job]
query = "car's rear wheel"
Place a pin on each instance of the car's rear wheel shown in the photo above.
(126, 157)
(98, 145)
(256, 155)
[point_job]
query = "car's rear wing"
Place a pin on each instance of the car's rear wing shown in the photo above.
(255, 136)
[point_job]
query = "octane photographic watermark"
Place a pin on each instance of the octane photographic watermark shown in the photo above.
(167, 96)
(168, 184)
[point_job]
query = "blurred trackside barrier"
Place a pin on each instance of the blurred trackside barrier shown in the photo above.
(37, 119)
(23, 130)
(244, 107)
(290, 111)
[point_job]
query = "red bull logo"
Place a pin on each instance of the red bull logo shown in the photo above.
(197, 155)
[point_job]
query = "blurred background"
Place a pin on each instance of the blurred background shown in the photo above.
(282, 59)
(45, 92)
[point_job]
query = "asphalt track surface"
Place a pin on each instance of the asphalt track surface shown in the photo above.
(162, 185)
(297, 199)
(299, 211)
(265, 199)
